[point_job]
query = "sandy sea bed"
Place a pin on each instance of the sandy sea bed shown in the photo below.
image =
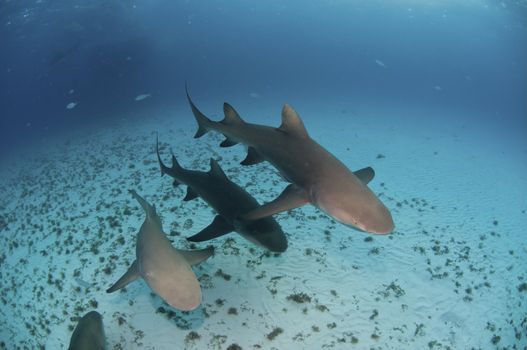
(452, 275)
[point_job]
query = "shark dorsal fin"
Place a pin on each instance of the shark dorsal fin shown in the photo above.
(231, 116)
(291, 122)
(175, 163)
(365, 174)
(215, 168)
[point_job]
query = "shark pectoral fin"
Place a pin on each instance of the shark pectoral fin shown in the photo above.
(292, 197)
(365, 175)
(217, 228)
(194, 257)
(253, 157)
(291, 123)
(131, 275)
(190, 194)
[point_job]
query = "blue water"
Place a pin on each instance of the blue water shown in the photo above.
(432, 94)
(109, 52)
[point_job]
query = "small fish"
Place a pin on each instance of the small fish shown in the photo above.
(82, 283)
(142, 97)
(380, 63)
(71, 105)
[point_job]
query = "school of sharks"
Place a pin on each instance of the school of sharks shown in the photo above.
(315, 176)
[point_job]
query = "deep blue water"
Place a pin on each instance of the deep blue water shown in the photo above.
(458, 58)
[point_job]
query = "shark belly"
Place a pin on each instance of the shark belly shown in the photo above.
(169, 275)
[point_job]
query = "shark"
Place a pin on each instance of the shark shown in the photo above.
(166, 270)
(228, 200)
(62, 54)
(315, 176)
(89, 333)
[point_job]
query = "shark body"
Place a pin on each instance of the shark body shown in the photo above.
(166, 270)
(315, 175)
(89, 333)
(228, 200)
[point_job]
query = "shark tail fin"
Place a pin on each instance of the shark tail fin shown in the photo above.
(164, 168)
(162, 165)
(204, 123)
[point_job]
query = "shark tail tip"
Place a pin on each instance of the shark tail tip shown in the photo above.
(162, 166)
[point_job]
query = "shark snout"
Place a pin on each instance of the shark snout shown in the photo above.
(377, 222)
(381, 227)
(264, 232)
(372, 219)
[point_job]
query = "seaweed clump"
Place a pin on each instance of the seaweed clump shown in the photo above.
(277, 331)
(299, 298)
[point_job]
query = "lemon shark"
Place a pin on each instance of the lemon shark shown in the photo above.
(314, 174)
(229, 200)
(166, 270)
(89, 333)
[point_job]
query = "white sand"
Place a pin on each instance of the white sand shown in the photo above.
(446, 279)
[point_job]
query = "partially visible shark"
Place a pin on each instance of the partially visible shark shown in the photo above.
(61, 55)
(165, 269)
(89, 333)
(229, 200)
(315, 175)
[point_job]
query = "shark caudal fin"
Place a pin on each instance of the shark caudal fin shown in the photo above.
(203, 121)
(174, 170)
